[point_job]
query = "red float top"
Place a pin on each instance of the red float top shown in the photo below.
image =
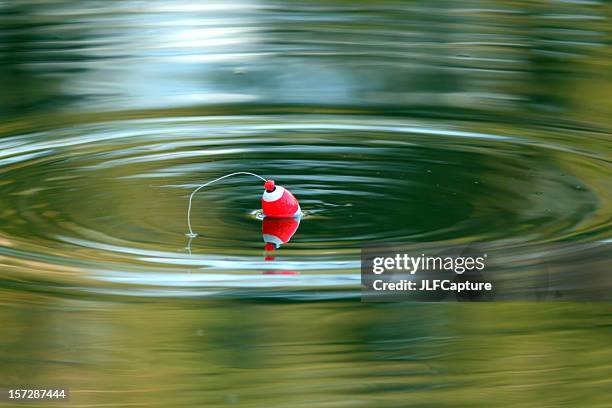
(269, 186)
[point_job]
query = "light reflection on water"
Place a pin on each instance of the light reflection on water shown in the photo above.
(390, 121)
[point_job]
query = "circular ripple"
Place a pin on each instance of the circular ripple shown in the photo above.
(106, 202)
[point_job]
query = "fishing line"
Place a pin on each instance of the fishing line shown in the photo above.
(191, 234)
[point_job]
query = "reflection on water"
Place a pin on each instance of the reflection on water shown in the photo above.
(207, 353)
(276, 232)
(391, 121)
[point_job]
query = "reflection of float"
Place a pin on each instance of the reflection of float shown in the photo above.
(276, 232)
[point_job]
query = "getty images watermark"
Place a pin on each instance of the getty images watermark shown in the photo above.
(486, 271)
(412, 264)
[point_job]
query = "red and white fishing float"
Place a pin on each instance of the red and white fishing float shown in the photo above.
(277, 203)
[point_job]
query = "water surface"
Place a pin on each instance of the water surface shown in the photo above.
(390, 121)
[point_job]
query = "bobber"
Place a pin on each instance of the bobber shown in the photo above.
(278, 202)
(281, 212)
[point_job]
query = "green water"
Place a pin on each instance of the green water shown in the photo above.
(390, 121)
(204, 353)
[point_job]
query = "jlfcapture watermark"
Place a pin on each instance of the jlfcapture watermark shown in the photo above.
(486, 271)
(431, 285)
